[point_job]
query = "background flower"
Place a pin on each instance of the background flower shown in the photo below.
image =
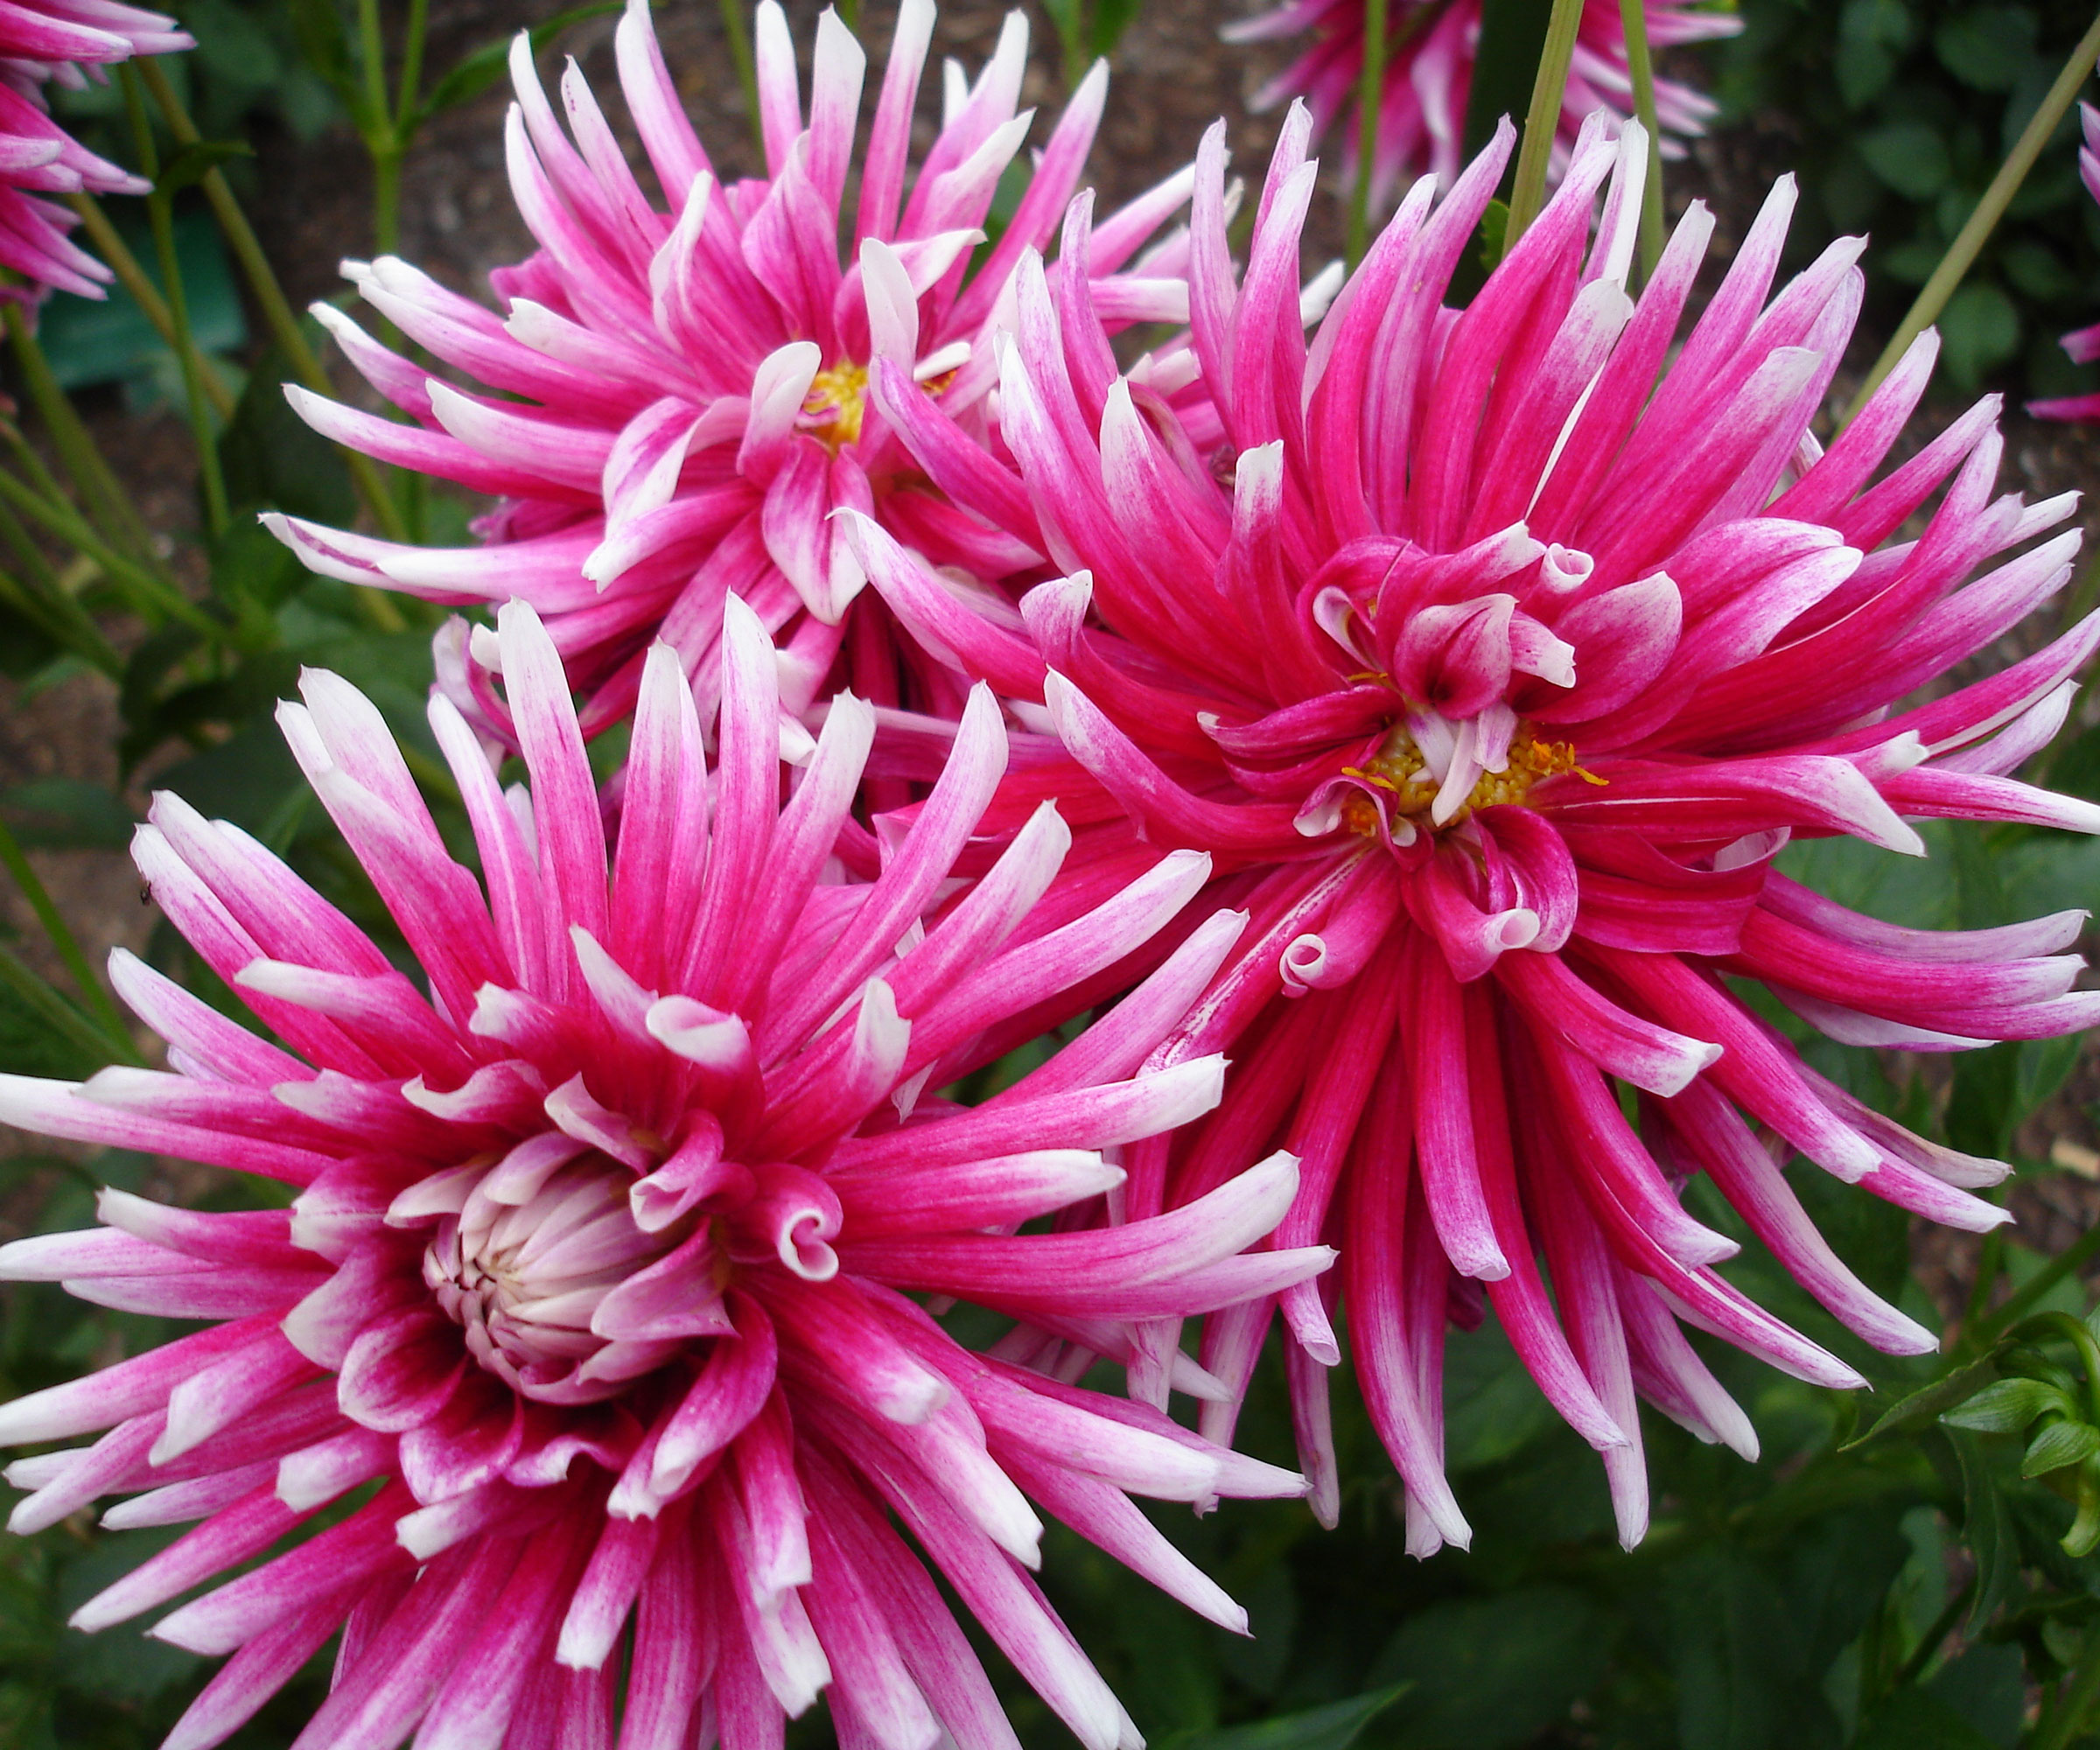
(1430, 45)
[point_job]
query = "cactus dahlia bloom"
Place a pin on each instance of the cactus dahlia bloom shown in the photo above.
(41, 41)
(1514, 651)
(682, 399)
(2083, 344)
(1429, 55)
(602, 1255)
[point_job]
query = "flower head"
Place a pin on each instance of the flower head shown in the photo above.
(1430, 45)
(603, 1256)
(60, 41)
(2083, 344)
(681, 398)
(1517, 647)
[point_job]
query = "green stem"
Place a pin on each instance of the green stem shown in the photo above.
(1633, 16)
(1943, 1625)
(283, 327)
(1542, 121)
(62, 938)
(76, 446)
(410, 94)
(747, 69)
(150, 593)
(1962, 253)
(146, 295)
(848, 15)
(1371, 99)
(60, 1015)
(161, 216)
(2039, 1284)
(382, 139)
(79, 635)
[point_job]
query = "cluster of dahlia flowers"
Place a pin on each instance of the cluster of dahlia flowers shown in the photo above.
(1366, 755)
(63, 42)
(1430, 47)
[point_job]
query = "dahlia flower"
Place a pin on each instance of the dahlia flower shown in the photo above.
(2083, 344)
(55, 40)
(603, 1259)
(681, 396)
(1430, 48)
(1511, 651)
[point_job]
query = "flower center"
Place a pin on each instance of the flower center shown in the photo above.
(526, 1278)
(836, 405)
(1403, 773)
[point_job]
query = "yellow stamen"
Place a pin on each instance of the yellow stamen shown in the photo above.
(1400, 771)
(836, 405)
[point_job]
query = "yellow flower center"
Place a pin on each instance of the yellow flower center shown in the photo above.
(1399, 770)
(836, 405)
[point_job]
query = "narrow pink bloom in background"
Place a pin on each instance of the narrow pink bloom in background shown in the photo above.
(1430, 45)
(61, 42)
(682, 393)
(600, 1257)
(2083, 344)
(1519, 644)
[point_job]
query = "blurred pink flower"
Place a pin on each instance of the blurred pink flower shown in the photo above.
(681, 396)
(2083, 344)
(51, 41)
(600, 1257)
(1430, 50)
(1518, 644)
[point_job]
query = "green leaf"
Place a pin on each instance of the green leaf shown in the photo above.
(323, 35)
(1987, 1686)
(1111, 19)
(31, 1045)
(1987, 1529)
(1489, 1673)
(67, 814)
(1910, 1719)
(2060, 1444)
(1928, 1401)
(481, 69)
(1332, 1727)
(2006, 1407)
(1987, 47)
(91, 340)
(273, 458)
(1980, 331)
(1910, 157)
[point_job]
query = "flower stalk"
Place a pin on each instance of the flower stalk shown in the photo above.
(68, 946)
(1633, 16)
(1528, 194)
(132, 276)
(1370, 92)
(1969, 242)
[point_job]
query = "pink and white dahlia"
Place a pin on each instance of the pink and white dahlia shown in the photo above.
(1513, 647)
(2083, 344)
(680, 395)
(1430, 48)
(610, 1257)
(53, 41)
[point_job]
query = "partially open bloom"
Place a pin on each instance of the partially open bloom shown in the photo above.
(56, 41)
(1517, 647)
(603, 1256)
(2083, 344)
(1430, 45)
(681, 396)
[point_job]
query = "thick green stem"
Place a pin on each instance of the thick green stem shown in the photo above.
(92, 476)
(747, 69)
(1371, 100)
(283, 327)
(1542, 121)
(1962, 253)
(62, 938)
(409, 97)
(161, 216)
(2016, 1304)
(1633, 18)
(146, 295)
